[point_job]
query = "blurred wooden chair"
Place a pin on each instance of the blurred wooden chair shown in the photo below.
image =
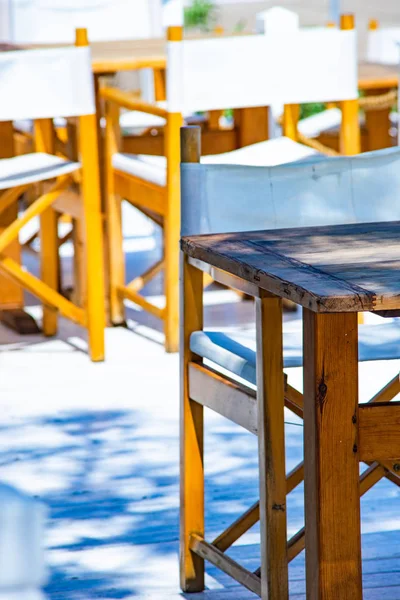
(59, 83)
(210, 75)
(225, 370)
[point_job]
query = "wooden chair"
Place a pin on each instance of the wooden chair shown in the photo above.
(232, 78)
(216, 198)
(60, 83)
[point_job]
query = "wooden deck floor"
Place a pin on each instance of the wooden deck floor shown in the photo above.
(99, 444)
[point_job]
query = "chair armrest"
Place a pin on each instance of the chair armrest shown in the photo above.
(125, 100)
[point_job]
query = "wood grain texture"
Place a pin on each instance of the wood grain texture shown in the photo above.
(379, 432)
(331, 458)
(343, 268)
(271, 449)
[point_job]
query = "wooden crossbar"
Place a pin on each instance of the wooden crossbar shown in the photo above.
(225, 396)
(224, 278)
(42, 291)
(8, 197)
(252, 515)
(124, 292)
(138, 283)
(238, 403)
(379, 431)
(34, 210)
(367, 480)
(208, 552)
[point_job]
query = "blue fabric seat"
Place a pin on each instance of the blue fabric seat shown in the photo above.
(235, 351)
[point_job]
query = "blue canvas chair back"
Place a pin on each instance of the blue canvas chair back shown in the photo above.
(316, 191)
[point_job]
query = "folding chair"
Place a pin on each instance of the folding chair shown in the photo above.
(41, 84)
(216, 199)
(213, 74)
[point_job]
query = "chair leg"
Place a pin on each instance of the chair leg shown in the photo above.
(116, 258)
(49, 265)
(192, 471)
(94, 275)
(271, 443)
(79, 294)
(171, 285)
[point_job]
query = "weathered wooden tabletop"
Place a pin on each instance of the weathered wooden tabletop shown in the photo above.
(344, 268)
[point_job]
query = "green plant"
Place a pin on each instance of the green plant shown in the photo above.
(200, 14)
(313, 108)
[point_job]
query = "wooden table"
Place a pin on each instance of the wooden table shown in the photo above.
(333, 273)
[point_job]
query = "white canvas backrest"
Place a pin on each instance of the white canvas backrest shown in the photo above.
(307, 65)
(54, 21)
(37, 84)
(383, 46)
(328, 191)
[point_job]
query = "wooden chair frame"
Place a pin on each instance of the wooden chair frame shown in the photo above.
(86, 210)
(260, 412)
(203, 387)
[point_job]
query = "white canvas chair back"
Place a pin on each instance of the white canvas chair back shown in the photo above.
(383, 46)
(54, 21)
(277, 19)
(306, 65)
(318, 191)
(38, 84)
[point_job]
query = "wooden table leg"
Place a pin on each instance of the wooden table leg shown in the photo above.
(378, 125)
(12, 313)
(332, 491)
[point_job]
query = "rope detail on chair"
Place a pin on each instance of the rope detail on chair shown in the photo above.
(381, 102)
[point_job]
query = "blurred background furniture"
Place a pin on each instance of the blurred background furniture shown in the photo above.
(59, 83)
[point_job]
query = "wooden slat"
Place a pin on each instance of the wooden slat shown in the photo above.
(139, 282)
(141, 301)
(42, 291)
(310, 266)
(294, 400)
(331, 458)
(379, 431)
(141, 193)
(252, 515)
(226, 564)
(34, 210)
(126, 100)
(226, 278)
(368, 479)
(226, 397)
(271, 449)
(10, 196)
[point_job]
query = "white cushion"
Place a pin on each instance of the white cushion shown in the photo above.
(316, 124)
(22, 522)
(135, 122)
(264, 154)
(149, 168)
(31, 168)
